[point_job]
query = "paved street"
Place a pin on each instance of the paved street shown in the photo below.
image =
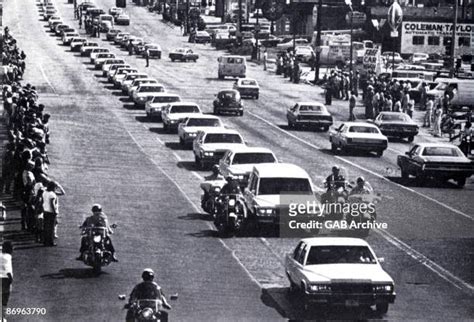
(103, 150)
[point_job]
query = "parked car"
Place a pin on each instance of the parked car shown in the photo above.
(183, 54)
(390, 56)
(120, 74)
(127, 82)
(210, 145)
(96, 51)
(189, 128)
(289, 43)
(76, 43)
(305, 54)
(114, 11)
(119, 37)
(101, 58)
(418, 58)
(228, 101)
(67, 37)
(397, 124)
(247, 87)
(358, 136)
(87, 47)
(440, 161)
(202, 37)
(339, 272)
(122, 19)
(154, 106)
(309, 114)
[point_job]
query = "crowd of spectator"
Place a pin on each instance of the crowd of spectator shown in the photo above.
(25, 158)
(13, 59)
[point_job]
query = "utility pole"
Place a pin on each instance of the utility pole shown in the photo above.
(318, 42)
(453, 40)
(186, 21)
(240, 15)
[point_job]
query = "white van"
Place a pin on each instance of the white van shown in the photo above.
(234, 66)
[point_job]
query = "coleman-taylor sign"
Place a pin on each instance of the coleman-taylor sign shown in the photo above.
(432, 37)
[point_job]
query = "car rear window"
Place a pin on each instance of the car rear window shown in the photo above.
(441, 151)
(252, 157)
(363, 129)
(394, 117)
(276, 186)
(184, 109)
(203, 122)
(222, 138)
(145, 89)
(313, 108)
(249, 82)
(166, 99)
(340, 255)
(227, 95)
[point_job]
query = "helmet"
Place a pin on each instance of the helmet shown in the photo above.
(360, 180)
(229, 178)
(335, 168)
(148, 274)
(96, 208)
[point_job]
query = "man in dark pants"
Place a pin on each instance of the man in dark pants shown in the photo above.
(51, 209)
(147, 57)
(6, 272)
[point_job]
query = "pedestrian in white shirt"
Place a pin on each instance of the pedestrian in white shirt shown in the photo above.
(6, 272)
(50, 212)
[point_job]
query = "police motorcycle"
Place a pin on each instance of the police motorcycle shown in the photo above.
(96, 255)
(211, 192)
(147, 309)
(230, 214)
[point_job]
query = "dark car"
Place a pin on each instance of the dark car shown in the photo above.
(397, 124)
(183, 54)
(228, 101)
(202, 37)
(440, 161)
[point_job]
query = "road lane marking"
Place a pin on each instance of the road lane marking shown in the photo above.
(194, 206)
(363, 169)
(46, 78)
(425, 261)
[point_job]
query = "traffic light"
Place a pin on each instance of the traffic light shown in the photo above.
(121, 3)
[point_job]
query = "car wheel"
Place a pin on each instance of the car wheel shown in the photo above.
(411, 138)
(256, 97)
(241, 113)
(405, 174)
(181, 141)
(461, 182)
(379, 153)
(172, 59)
(381, 308)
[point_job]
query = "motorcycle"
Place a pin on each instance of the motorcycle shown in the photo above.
(96, 255)
(335, 194)
(211, 189)
(363, 216)
(147, 309)
(230, 215)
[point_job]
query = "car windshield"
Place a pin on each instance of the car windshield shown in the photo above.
(313, 108)
(441, 86)
(203, 122)
(394, 117)
(165, 99)
(276, 186)
(222, 138)
(134, 76)
(184, 109)
(246, 158)
(340, 255)
(249, 82)
(441, 151)
(363, 129)
(148, 89)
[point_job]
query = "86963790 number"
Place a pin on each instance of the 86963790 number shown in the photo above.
(25, 311)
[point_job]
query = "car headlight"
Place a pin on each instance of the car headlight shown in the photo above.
(173, 121)
(208, 154)
(320, 288)
(240, 177)
(97, 238)
(383, 288)
(191, 134)
(265, 211)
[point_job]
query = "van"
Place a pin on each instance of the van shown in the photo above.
(462, 93)
(234, 66)
(104, 17)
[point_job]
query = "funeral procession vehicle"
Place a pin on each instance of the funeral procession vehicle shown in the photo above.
(228, 101)
(358, 136)
(339, 271)
(309, 114)
(188, 129)
(155, 105)
(211, 145)
(176, 112)
(440, 161)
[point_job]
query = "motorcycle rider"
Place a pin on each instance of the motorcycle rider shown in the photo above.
(98, 219)
(335, 180)
(147, 290)
(216, 174)
(362, 187)
(232, 186)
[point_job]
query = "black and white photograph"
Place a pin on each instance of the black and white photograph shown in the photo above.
(236, 160)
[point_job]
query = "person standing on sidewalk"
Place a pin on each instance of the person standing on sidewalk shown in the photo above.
(352, 104)
(265, 57)
(147, 57)
(429, 111)
(437, 121)
(6, 272)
